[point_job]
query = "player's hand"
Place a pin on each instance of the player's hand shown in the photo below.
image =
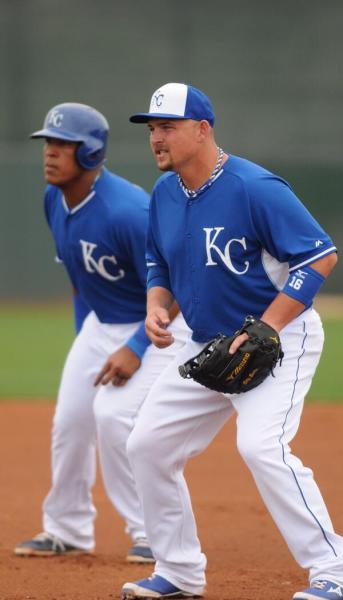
(238, 342)
(156, 325)
(119, 367)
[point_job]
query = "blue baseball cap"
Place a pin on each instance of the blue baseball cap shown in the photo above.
(177, 101)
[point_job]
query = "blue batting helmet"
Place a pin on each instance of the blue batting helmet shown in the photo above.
(78, 123)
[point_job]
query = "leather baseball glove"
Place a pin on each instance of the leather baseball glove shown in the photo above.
(242, 371)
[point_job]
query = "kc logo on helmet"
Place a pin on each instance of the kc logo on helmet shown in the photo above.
(55, 118)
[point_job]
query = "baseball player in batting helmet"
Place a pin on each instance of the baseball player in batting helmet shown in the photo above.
(98, 221)
(81, 124)
(227, 238)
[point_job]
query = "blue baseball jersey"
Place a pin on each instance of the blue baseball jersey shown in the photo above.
(101, 243)
(228, 252)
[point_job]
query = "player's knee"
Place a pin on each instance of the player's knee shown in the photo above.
(153, 448)
(135, 444)
(102, 410)
(111, 420)
(66, 425)
(139, 446)
(73, 433)
(253, 448)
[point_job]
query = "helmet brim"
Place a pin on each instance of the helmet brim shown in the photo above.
(58, 135)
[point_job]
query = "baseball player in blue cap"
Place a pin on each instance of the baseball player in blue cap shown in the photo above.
(99, 222)
(227, 239)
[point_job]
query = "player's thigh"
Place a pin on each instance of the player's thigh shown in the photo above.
(180, 414)
(273, 410)
(90, 350)
(180, 331)
(122, 403)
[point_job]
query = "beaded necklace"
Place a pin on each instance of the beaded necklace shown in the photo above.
(208, 183)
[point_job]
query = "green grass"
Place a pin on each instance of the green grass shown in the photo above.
(35, 340)
(327, 383)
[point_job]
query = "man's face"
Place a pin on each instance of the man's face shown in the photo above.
(60, 165)
(174, 142)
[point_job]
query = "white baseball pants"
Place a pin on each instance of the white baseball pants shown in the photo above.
(180, 418)
(84, 411)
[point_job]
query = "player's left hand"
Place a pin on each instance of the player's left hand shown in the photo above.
(235, 364)
(237, 342)
(119, 367)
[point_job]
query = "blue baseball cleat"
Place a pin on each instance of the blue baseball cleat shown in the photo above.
(154, 587)
(45, 544)
(140, 552)
(321, 590)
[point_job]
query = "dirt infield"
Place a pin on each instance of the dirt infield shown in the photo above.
(247, 558)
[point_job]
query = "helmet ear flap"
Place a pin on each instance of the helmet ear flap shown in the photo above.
(88, 159)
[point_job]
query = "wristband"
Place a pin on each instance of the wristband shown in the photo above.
(139, 342)
(303, 285)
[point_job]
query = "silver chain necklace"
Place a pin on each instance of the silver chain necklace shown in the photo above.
(208, 183)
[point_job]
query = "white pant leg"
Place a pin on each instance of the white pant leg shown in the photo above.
(68, 509)
(115, 410)
(268, 419)
(178, 419)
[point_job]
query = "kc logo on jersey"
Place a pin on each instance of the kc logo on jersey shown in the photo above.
(213, 251)
(55, 118)
(93, 266)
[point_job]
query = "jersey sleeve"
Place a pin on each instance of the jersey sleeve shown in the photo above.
(158, 271)
(284, 226)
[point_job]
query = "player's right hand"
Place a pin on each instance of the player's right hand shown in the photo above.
(156, 325)
(119, 367)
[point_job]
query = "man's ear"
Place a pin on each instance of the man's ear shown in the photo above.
(204, 129)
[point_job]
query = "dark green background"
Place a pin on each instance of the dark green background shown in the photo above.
(272, 69)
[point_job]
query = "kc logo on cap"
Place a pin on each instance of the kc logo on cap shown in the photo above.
(157, 100)
(177, 101)
(172, 97)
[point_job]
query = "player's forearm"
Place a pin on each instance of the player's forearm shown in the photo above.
(159, 297)
(281, 311)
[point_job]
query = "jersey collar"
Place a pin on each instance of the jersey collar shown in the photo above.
(85, 201)
(79, 206)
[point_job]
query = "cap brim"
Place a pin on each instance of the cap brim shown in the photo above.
(145, 117)
(58, 135)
